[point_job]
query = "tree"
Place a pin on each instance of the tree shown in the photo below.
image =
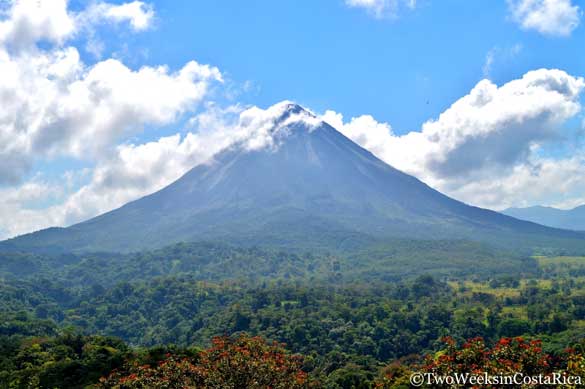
(242, 362)
(506, 358)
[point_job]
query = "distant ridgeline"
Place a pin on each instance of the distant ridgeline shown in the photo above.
(570, 219)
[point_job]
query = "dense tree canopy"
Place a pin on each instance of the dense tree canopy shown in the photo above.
(85, 316)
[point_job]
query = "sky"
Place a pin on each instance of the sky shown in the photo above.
(105, 102)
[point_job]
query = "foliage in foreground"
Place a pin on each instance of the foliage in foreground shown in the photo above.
(504, 359)
(242, 362)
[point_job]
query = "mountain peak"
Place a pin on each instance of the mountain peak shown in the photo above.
(292, 107)
(271, 126)
(277, 116)
(289, 111)
(291, 180)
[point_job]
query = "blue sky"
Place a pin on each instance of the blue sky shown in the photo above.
(329, 56)
(449, 91)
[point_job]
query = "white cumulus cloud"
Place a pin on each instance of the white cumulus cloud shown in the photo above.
(30, 21)
(548, 17)
(27, 22)
(137, 13)
(485, 141)
(55, 105)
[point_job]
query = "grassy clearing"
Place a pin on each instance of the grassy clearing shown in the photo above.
(517, 312)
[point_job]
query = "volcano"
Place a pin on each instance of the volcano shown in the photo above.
(304, 185)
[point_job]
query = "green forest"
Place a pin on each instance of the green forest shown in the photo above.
(72, 320)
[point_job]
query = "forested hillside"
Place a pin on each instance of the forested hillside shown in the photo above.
(347, 331)
(390, 261)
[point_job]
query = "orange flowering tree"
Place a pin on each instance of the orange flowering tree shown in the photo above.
(506, 358)
(170, 373)
(242, 362)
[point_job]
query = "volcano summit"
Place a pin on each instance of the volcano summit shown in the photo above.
(294, 182)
